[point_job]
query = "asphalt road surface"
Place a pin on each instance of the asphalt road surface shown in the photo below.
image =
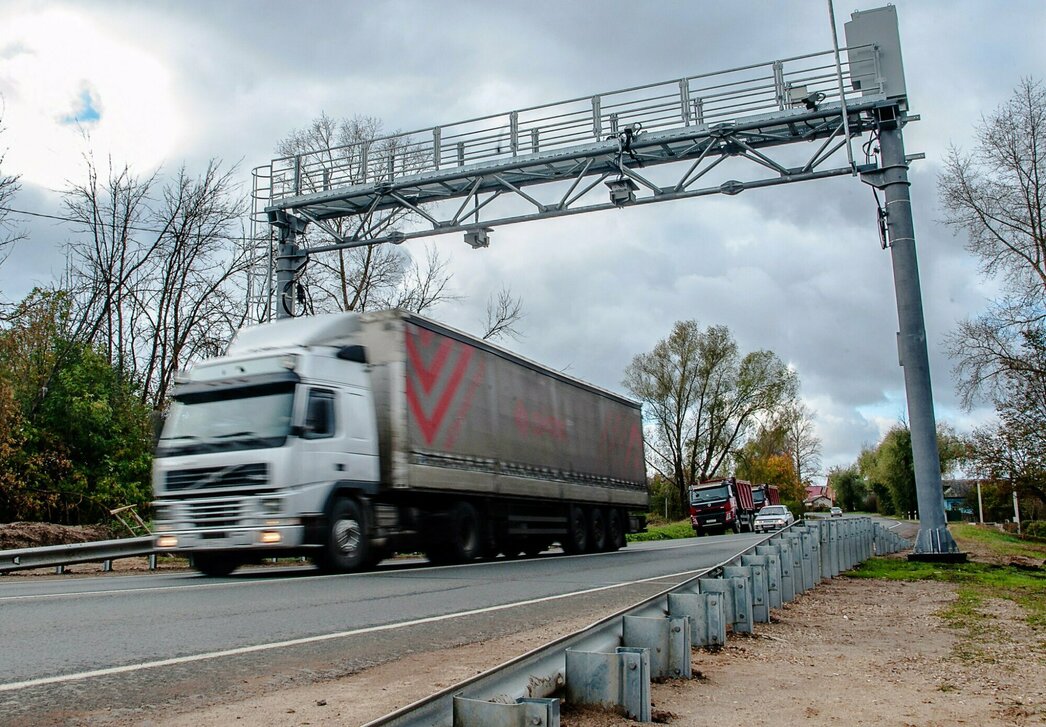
(77, 646)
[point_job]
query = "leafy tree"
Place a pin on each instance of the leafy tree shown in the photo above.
(889, 469)
(849, 487)
(76, 439)
(702, 397)
(765, 458)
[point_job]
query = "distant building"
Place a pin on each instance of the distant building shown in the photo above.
(957, 500)
(819, 496)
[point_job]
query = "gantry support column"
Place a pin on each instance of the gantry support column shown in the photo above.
(289, 260)
(934, 538)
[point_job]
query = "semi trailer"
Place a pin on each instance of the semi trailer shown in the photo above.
(348, 437)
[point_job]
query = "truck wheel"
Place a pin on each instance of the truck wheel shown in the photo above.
(615, 530)
(347, 548)
(576, 540)
(736, 527)
(597, 530)
(465, 543)
(215, 565)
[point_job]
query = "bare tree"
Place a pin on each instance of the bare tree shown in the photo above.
(9, 233)
(365, 278)
(804, 446)
(702, 397)
(996, 195)
(155, 273)
(504, 313)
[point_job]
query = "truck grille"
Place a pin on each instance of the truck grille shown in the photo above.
(243, 475)
(216, 513)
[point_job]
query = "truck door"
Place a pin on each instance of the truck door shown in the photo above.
(324, 458)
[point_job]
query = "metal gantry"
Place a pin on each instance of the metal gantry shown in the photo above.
(745, 128)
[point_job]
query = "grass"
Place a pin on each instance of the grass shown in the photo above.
(666, 531)
(976, 583)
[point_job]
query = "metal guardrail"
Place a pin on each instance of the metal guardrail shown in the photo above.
(60, 556)
(517, 692)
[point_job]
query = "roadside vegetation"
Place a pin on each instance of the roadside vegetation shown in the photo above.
(663, 530)
(1007, 567)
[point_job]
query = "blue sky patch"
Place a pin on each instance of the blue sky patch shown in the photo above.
(86, 111)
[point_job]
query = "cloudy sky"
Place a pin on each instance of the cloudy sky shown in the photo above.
(796, 268)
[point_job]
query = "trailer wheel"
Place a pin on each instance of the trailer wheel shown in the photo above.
(347, 548)
(463, 542)
(576, 540)
(466, 543)
(597, 530)
(615, 530)
(215, 565)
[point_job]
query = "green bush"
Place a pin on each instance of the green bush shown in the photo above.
(1035, 528)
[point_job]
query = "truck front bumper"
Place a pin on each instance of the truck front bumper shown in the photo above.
(260, 538)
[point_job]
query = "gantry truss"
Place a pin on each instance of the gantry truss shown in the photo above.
(588, 154)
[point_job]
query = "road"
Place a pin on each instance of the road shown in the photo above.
(111, 644)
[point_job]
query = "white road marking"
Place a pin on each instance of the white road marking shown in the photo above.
(43, 681)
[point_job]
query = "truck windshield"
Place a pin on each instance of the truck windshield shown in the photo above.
(243, 418)
(758, 496)
(709, 494)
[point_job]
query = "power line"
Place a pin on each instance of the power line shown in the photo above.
(74, 221)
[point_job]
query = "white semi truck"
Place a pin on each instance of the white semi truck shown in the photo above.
(348, 437)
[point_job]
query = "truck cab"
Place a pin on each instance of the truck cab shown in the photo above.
(253, 447)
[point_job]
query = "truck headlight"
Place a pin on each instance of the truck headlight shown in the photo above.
(271, 505)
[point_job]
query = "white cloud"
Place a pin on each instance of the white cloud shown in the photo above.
(58, 64)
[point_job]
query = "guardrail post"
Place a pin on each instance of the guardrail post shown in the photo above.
(524, 712)
(824, 537)
(707, 622)
(738, 606)
(760, 587)
(667, 640)
(107, 565)
(809, 577)
(787, 570)
(836, 537)
(621, 679)
(772, 553)
(798, 578)
(152, 561)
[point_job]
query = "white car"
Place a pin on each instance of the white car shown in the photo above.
(836, 512)
(772, 517)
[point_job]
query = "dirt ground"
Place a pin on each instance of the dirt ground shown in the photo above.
(850, 652)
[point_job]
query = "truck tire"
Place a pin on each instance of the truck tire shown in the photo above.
(215, 565)
(576, 540)
(347, 548)
(466, 534)
(597, 530)
(463, 542)
(615, 530)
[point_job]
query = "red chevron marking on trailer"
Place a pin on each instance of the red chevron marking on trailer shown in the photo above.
(428, 376)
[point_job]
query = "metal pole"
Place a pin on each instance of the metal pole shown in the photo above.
(1016, 512)
(933, 538)
(980, 503)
